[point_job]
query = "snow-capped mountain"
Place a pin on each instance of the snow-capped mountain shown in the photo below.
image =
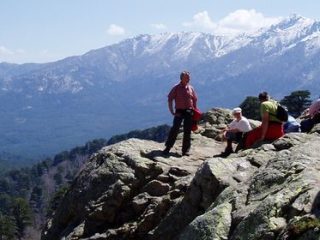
(124, 86)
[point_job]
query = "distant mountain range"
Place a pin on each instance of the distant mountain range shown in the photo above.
(53, 106)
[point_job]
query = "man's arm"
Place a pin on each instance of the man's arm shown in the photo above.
(232, 127)
(170, 106)
(234, 130)
(171, 97)
(195, 99)
(264, 125)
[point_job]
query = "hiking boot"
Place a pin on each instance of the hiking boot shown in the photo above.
(187, 153)
(226, 153)
(166, 151)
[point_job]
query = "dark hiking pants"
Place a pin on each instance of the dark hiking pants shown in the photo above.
(307, 124)
(186, 117)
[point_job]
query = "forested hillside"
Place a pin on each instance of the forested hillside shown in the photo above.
(28, 194)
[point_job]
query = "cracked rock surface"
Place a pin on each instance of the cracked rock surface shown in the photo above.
(130, 191)
(126, 189)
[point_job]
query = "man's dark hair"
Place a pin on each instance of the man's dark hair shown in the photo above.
(184, 73)
(263, 96)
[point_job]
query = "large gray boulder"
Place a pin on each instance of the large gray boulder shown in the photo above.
(130, 191)
(213, 224)
(280, 200)
(214, 121)
(126, 189)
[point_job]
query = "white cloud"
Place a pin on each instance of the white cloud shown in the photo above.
(10, 55)
(201, 20)
(5, 51)
(246, 20)
(239, 21)
(116, 30)
(159, 26)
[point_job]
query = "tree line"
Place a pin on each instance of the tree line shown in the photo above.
(296, 102)
(25, 195)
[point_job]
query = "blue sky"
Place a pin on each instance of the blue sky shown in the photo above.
(43, 30)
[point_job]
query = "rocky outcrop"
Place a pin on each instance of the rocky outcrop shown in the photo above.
(126, 189)
(158, 134)
(217, 119)
(130, 191)
(275, 197)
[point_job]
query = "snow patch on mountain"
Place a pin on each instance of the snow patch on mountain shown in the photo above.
(156, 43)
(287, 34)
(228, 45)
(312, 43)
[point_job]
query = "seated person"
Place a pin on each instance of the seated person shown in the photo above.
(291, 125)
(271, 127)
(235, 130)
(312, 116)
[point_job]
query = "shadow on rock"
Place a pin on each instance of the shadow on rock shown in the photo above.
(159, 153)
(316, 206)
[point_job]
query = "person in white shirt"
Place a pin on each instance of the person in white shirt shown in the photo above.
(235, 130)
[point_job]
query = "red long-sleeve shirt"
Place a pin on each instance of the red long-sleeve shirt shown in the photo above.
(184, 96)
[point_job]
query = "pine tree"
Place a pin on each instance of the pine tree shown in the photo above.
(251, 108)
(297, 102)
(8, 228)
(22, 215)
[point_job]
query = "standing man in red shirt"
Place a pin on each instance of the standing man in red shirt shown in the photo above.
(185, 100)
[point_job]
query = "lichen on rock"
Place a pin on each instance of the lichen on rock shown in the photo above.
(130, 191)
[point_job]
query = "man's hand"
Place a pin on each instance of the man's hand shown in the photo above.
(170, 106)
(177, 114)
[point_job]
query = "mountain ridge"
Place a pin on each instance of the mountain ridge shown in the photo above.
(126, 84)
